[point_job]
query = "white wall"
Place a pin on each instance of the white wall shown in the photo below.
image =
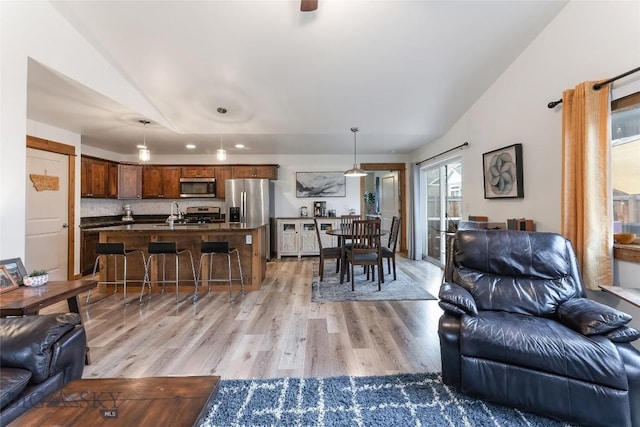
(35, 30)
(587, 41)
(592, 40)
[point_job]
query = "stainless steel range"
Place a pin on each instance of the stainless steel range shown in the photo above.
(203, 215)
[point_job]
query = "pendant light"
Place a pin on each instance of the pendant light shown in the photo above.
(355, 170)
(222, 153)
(144, 155)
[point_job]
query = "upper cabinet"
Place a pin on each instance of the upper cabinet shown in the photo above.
(106, 179)
(129, 181)
(198, 171)
(112, 184)
(255, 171)
(94, 178)
(161, 182)
(223, 173)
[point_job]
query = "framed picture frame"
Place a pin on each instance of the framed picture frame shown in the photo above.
(502, 173)
(7, 282)
(320, 184)
(16, 269)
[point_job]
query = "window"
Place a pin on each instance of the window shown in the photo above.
(625, 163)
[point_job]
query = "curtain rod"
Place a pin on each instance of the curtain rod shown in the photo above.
(598, 86)
(444, 152)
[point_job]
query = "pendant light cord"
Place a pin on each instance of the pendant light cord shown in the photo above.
(354, 130)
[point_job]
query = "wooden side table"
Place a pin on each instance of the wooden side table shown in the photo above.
(140, 402)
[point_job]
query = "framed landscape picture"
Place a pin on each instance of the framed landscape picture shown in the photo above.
(15, 268)
(321, 184)
(6, 280)
(502, 170)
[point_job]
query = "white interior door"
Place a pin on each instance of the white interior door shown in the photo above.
(389, 199)
(47, 213)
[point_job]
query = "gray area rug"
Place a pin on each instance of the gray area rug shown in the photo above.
(330, 289)
(393, 400)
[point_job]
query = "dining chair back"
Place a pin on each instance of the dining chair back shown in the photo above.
(389, 252)
(365, 248)
(328, 252)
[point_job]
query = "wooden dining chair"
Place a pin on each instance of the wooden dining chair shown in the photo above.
(365, 249)
(330, 252)
(389, 252)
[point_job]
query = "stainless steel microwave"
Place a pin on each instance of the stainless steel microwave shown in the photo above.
(197, 187)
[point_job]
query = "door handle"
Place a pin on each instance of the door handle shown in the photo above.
(65, 225)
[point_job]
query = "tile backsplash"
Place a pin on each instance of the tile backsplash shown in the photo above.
(109, 207)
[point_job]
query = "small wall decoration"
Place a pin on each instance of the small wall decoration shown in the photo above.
(6, 280)
(45, 182)
(321, 184)
(15, 268)
(502, 171)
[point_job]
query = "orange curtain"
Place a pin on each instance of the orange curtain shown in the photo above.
(586, 187)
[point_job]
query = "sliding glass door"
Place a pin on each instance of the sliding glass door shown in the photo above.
(442, 183)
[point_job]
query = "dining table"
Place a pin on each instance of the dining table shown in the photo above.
(343, 233)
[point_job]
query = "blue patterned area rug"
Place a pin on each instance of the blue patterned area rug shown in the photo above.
(394, 400)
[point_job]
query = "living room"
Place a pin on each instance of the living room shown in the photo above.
(583, 42)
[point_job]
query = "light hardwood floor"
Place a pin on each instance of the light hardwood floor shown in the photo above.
(274, 332)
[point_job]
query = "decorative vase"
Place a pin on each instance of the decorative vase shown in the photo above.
(34, 281)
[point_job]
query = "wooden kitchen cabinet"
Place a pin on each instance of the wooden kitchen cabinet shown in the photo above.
(94, 178)
(88, 243)
(161, 182)
(129, 181)
(223, 173)
(113, 180)
(255, 171)
(198, 171)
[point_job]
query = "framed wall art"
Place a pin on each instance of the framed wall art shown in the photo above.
(15, 268)
(6, 280)
(321, 184)
(502, 170)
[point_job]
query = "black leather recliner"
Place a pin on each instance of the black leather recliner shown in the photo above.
(519, 331)
(38, 355)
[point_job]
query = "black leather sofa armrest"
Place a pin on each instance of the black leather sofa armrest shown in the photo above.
(69, 354)
(28, 342)
(590, 317)
(456, 300)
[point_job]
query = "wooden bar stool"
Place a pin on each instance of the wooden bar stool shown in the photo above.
(157, 249)
(210, 249)
(116, 250)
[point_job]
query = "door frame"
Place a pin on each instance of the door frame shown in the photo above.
(70, 152)
(401, 169)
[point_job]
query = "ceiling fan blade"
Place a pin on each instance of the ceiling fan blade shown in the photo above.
(308, 5)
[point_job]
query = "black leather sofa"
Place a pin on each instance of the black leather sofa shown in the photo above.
(38, 355)
(519, 331)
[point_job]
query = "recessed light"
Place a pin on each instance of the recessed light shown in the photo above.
(190, 146)
(239, 145)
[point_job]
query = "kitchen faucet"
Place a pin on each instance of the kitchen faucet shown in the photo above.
(173, 217)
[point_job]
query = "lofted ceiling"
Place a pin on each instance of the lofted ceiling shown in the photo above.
(292, 82)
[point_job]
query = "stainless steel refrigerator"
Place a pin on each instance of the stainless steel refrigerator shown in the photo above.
(252, 197)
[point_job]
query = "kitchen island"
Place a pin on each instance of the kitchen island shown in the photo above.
(250, 239)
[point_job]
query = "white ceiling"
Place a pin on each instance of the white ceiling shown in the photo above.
(293, 82)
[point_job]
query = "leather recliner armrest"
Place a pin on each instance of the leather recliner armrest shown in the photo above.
(590, 317)
(456, 300)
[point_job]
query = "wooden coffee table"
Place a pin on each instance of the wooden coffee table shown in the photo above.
(140, 402)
